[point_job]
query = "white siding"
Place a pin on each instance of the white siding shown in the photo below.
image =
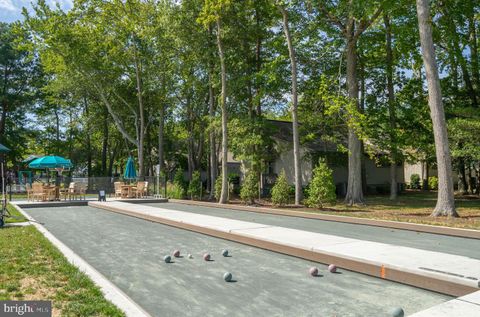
(285, 161)
(381, 175)
(418, 168)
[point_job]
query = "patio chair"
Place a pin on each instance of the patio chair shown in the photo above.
(118, 188)
(67, 192)
(145, 190)
(79, 189)
(38, 192)
(140, 189)
(29, 190)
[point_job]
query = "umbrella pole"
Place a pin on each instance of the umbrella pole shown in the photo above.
(4, 203)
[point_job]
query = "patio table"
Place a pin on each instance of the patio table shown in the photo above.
(51, 191)
(128, 191)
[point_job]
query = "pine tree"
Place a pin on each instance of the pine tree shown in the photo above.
(322, 188)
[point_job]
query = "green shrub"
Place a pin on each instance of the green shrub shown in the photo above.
(249, 189)
(281, 190)
(218, 187)
(179, 180)
(233, 184)
(195, 186)
(174, 191)
(321, 190)
(433, 182)
(415, 181)
(292, 191)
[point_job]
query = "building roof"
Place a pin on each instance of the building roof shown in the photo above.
(284, 132)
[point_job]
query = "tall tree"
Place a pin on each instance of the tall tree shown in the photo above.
(223, 107)
(213, 12)
(445, 201)
(391, 107)
(352, 25)
(19, 74)
(294, 105)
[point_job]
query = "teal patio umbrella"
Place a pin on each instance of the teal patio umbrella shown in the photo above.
(3, 212)
(4, 149)
(130, 172)
(50, 162)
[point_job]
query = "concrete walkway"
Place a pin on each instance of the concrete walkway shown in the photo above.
(465, 306)
(439, 271)
(436, 229)
(468, 247)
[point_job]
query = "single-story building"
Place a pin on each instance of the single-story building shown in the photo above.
(377, 175)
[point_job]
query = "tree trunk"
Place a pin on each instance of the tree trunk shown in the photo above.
(427, 176)
(200, 149)
(462, 179)
(362, 108)
(3, 116)
(112, 160)
(445, 201)
(470, 185)
(213, 151)
(116, 119)
(354, 186)
(474, 49)
(161, 123)
(296, 138)
(454, 74)
(57, 129)
(190, 160)
(258, 63)
(141, 128)
(223, 106)
(391, 108)
(477, 185)
(457, 51)
(89, 141)
(105, 144)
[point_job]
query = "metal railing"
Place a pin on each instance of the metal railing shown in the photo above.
(93, 184)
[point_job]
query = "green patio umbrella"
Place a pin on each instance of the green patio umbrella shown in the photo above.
(3, 212)
(130, 172)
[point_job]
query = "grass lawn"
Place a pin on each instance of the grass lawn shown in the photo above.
(31, 268)
(411, 206)
(16, 215)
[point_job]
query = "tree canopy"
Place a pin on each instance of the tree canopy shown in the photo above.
(166, 80)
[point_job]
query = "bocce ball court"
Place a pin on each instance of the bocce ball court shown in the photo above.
(130, 252)
(420, 240)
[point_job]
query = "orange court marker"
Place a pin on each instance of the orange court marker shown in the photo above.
(382, 271)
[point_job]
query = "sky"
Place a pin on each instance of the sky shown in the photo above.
(11, 10)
